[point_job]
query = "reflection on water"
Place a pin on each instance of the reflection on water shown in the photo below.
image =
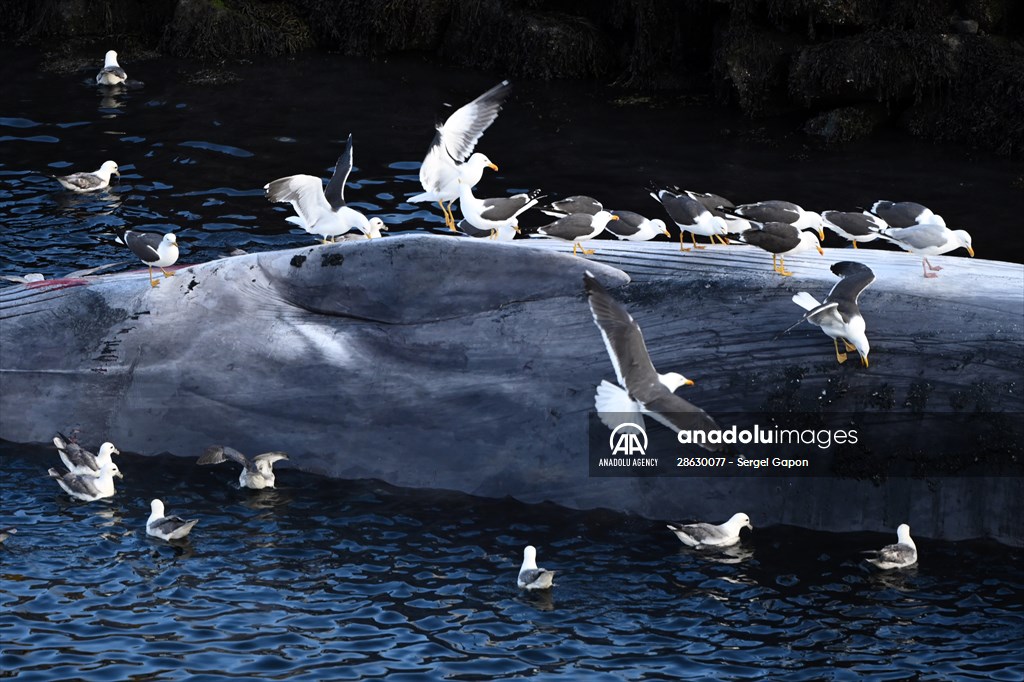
(326, 579)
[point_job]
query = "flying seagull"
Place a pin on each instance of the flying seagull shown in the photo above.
(641, 390)
(152, 249)
(531, 577)
(111, 73)
(257, 473)
(900, 555)
(166, 527)
(89, 182)
(323, 211)
(839, 315)
(929, 240)
(700, 535)
(451, 158)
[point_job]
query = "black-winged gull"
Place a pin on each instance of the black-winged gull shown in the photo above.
(839, 315)
(579, 203)
(89, 182)
(776, 211)
(451, 158)
(700, 535)
(578, 228)
(929, 240)
(690, 216)
(634, 227)
(323, 211)
(166, 527)
(719, 207)
(530, 576)
(87, 488)
(111, 73)
(899, 555)
(499, 215)
(154, 250)
(905, 213)
(257, 473)
(641, 390)
(781, 240)
(853, 226)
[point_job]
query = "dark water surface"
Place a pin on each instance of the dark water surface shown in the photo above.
(325, 579)
(330, 579)
(194, 157)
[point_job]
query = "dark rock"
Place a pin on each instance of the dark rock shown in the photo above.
(756, 62)
(845, 124)
(231, 28)
(995, 15)
(964, 26)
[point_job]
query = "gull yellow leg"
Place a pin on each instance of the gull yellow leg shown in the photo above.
(587, 252)
(450, 217)
(152, 282)
(574, 247)
(695, 244)
(849, 347)
(855, 243)
(166, 274)
(782, 268)
(841, 357)
(682, 240)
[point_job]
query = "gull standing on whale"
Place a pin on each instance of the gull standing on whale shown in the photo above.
(323, 211)
(166, 527)
(530, 576)
(928, 240)
(899, 555)
(152, 249)
(578, 228)
(839, 315)
(499, 215)
(690, 215)
(701, 535)
(641, 390)
(111, 73)
(89, 182)
(257, 473)
(781, 240)
(451, 158)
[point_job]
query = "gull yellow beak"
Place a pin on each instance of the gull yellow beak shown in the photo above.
(970, 251)
(492, 166)
(688, 382)
(864, 361)
(666, 233)
(516, 228)
(820, 250)
(615, 217)
(821, 233)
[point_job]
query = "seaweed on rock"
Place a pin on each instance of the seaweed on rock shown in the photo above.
(226, 28)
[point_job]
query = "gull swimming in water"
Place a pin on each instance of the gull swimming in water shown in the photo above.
(111, 73)
(451, 158)
(323, 211)
(256, 474)
(80, 461)
(700, 535)
(531, 577)
(87, 488)
(89, 182)
(900, 555)
(166, 527)
(154, 250)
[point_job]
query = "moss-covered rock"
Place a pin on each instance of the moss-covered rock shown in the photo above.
(756, 62)
(845, 124)
(230, 28)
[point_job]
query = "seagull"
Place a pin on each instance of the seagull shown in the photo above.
(839, 316)
(578, 227)
(635, 227)
(152, 249)
(701, 535)
(531, 577)
(498, 215)
(111, 73)
(89, 182)
(256, 474)
(80, 461)
(323, 211)
(6, 533)
(719, 207)
(928, 240)
(574, 204)
(775, 211)
(87, 488)
(905, 214)
(853, 226)
(781, 240)
(451, 158)
(166, 527)
(691, 216)
(900, 555)
(641, 390)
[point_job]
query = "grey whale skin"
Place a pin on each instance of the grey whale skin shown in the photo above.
(462, 364)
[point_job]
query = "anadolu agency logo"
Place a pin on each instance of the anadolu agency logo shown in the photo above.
(628, 439)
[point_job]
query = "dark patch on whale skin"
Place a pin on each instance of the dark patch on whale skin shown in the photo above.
(297, 261)
(331, 259)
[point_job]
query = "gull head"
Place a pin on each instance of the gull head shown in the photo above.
(108, 449)
(659, 225)
(674, 380)
(110, 167)
(963, 237)
(740, 521)
(529, 558)
(156, 509)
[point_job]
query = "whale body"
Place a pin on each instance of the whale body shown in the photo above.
(470, 365)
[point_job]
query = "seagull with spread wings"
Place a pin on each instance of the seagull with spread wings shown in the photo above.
(839, 315)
